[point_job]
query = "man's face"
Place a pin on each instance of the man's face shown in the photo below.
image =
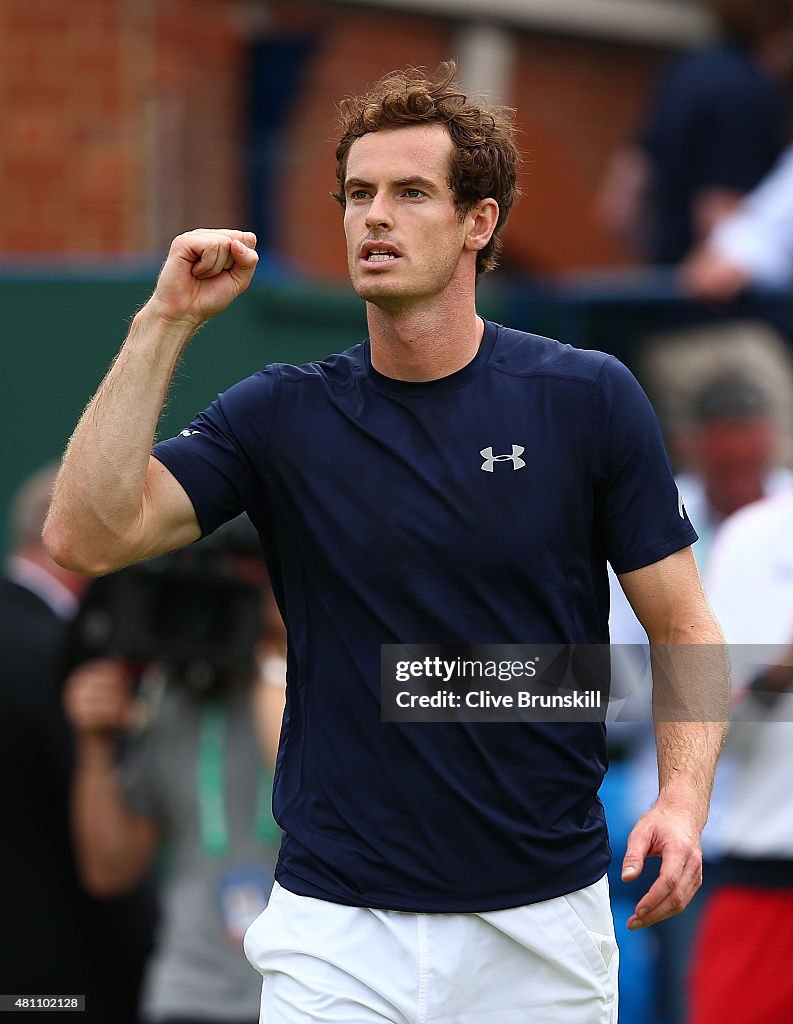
(733, 458)
(404, 236)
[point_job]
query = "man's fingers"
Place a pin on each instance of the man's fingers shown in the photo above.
(247, 238)
(633, 861)
(673, 903)
(668, 880)
(210, 250)
(680, 877)
(222, 255)
(243, 254)
(213, 259)
(632, 865)
(207, 256)
(245, 260)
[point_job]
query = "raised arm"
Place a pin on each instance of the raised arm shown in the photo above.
(113, 503)
(691, 699)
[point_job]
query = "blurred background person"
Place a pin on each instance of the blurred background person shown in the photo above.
(752, 247)
(57, 939)
(741, 970)
(178, 772)
(729, 446)
(730, 452)
(717, 122)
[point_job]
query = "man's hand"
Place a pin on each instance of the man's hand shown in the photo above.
(206, 270)
(669, 833)
(709, 277)
(98, 700)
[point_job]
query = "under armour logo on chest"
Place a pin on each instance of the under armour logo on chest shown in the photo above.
(514, 458)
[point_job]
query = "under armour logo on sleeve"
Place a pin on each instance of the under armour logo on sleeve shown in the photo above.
(514, 458)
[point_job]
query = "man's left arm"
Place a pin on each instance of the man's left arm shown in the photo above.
(691, 699)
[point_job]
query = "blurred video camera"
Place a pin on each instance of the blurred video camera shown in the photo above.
(197, 611)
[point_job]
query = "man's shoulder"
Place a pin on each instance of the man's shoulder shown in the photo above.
(516, 353)
(257, 392)
(519, 353)
(337, 368)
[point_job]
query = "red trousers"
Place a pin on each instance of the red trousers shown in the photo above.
(742, 971)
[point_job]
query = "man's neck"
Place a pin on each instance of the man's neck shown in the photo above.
(423, 344)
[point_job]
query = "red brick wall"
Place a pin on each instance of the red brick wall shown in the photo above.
(123, 124)
(576, 101)
(120, 122)
(200, 88)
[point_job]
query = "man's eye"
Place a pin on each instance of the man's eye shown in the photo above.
(413, 193)
(359, 193)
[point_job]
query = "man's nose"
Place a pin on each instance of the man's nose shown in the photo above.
(380, 213)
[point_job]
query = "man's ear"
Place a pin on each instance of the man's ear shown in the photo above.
(482, 220)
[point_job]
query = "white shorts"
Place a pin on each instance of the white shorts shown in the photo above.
(553, 962)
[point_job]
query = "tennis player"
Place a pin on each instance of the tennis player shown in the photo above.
(449, 480)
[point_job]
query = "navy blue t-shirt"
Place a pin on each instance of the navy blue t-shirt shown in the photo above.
(381, 527)
(718, 120)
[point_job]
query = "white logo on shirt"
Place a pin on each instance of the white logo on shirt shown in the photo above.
(681, 508)
(514, 458)
(188, 433)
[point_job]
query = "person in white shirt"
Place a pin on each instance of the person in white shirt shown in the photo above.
(753, 246)
(731, 452)
(741, 970)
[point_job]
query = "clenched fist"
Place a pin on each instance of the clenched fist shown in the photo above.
(206, 270)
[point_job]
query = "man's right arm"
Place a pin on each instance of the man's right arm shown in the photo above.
(113, 503)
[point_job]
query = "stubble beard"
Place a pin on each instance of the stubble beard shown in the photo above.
(399, 296)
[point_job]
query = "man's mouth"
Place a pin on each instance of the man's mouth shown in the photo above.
(372, 252)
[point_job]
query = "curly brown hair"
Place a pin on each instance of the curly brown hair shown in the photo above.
(485, 159)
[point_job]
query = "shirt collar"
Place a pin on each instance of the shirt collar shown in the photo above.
(44, 585)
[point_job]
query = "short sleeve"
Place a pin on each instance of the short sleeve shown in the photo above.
(640, 516)
(219, 459)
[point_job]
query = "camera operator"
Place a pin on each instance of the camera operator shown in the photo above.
(186, 770)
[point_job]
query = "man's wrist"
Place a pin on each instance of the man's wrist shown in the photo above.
(155, 316)
(683, 802)
(96, 755)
